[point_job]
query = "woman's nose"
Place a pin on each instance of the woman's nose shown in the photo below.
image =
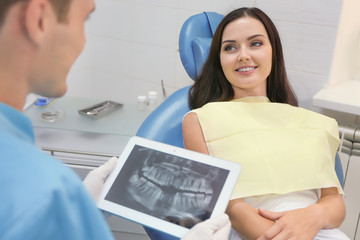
(243, 55)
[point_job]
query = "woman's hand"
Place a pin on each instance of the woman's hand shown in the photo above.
(296, 224)
(305, 223)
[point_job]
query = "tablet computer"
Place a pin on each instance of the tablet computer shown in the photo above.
(166, 187)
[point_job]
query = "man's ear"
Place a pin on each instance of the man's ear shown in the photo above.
(38, 19)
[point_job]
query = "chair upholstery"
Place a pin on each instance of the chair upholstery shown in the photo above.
(195, 40)
(164, 124)
(339, 169)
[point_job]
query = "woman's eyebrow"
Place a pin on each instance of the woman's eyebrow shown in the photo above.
(255, 36)
(226, 41)
(249, 38)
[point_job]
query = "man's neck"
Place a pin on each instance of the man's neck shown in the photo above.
(13, 81)
(14, 62)
(12, 95)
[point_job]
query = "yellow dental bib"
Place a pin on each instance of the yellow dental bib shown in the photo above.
(281, 148)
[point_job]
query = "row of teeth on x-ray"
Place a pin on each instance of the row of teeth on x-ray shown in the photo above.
(170, 186)
(150, 194)
(186, 180)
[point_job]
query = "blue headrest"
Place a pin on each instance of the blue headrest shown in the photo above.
(195, 40)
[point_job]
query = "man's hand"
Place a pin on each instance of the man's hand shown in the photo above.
(217, 228)
(95, 179)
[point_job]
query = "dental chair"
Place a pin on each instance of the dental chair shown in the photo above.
(164, 124)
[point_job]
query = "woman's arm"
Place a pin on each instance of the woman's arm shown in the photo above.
(244, 218)
(305, 223)
(192, 133)
(332, 207)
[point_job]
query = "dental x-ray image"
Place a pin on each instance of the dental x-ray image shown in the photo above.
(168, 187)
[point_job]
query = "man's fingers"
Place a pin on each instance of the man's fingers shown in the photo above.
(107, 167)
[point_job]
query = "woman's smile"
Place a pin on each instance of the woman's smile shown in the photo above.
(246, 70)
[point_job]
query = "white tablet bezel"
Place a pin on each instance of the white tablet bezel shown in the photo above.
(154, 222)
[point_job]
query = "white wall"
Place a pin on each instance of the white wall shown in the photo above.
(132, 45)
(346, 64)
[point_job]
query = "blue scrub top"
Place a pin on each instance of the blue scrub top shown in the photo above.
(40, 198)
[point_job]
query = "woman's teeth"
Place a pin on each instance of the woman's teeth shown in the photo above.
(247, 69)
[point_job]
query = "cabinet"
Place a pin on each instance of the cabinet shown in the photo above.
(350, 158)
(84, 144)
(352, 198)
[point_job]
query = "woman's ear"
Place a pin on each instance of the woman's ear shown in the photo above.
(39, 17)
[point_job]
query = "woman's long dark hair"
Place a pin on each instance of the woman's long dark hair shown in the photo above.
(212, 86)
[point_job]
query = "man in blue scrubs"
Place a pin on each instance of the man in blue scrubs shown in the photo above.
(40, 198)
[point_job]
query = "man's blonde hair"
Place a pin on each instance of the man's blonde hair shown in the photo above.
(61, 8)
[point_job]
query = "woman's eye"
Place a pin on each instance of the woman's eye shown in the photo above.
(229, 48)
(256, 44)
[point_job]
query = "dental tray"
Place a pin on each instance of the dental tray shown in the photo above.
(101, 109)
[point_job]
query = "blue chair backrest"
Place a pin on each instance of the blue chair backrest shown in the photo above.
(195, 39)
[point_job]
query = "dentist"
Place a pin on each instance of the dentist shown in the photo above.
(40, 197)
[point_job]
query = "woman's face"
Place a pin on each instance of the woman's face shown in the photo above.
(246, 56)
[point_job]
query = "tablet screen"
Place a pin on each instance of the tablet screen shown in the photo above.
(166, 186)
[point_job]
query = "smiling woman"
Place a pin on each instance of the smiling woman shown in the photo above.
(212, 84)
(245, 111)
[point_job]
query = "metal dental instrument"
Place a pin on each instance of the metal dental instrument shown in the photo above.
(163, 90)
(99, 109)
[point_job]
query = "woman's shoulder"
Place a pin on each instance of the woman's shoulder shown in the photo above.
(190, 116)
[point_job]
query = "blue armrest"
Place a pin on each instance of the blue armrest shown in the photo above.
(339, 170)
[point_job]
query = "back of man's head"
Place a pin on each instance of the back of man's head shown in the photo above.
(61, 8)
